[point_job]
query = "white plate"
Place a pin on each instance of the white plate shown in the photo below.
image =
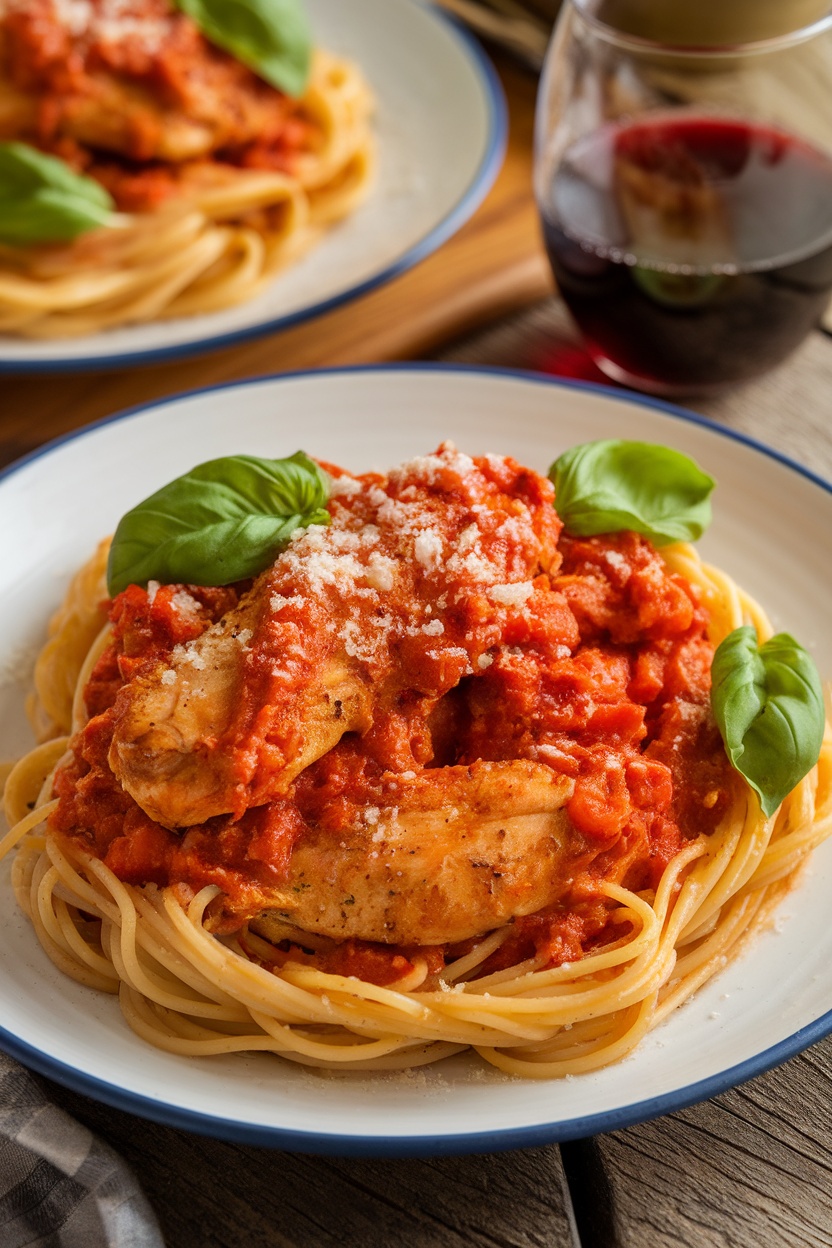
(441, 127)
(772, 531)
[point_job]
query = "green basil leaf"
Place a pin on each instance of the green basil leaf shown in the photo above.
(43, 200)
(272, 37)
(768, 703)
(223, 521)
(608, 486)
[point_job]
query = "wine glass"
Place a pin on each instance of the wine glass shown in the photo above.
(685, 187)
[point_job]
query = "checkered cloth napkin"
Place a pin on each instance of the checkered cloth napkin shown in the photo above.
(60, 1186)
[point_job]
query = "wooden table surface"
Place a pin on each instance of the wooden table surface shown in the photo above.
(749, 1169)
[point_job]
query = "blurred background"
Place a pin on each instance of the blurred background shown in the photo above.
(524, 26)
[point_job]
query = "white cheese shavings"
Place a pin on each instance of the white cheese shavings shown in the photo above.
(616, 560)
(109, 21)
(428, 469)
(381, 572)
(344, 487)
(184, 654)
(356, 644)
(427, 549)
(511, 595)
(468, 538)
(471, 567)
(184, 604)
(278, 601)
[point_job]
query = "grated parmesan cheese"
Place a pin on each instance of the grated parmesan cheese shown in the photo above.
(427, 549)
(428, 523)
(184, 604)
(616, 560)
(186, 654)
(381, 574)
(278, 601)
(107, 21)
(511, 595)
(344, 487)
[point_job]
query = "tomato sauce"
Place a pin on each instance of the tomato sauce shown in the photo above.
(598, 667)
(134, 95)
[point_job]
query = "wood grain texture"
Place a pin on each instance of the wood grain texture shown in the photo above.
(209, 1194)
(750, 1169)
(493, 266)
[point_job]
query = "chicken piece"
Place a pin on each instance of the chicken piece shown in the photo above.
(117, 117)
(138, 80)
(466, 849)
(123, 118)
(126, 119)
(367, 621)
(173, 726)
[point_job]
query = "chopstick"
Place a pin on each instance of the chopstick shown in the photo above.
(508, 23)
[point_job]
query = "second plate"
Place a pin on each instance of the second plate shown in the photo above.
(441, 125)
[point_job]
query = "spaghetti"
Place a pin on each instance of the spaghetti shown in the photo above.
(211, 209)
(196, 975)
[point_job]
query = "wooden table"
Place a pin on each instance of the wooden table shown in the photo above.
(750, 1169)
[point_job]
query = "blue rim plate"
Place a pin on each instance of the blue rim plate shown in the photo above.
(771, 519)
(441, 123)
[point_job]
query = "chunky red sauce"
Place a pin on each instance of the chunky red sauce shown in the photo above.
(585, 655)
(131, 92)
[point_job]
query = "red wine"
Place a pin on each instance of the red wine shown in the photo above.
(692, 251)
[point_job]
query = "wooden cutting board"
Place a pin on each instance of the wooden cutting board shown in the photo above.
(494, 265)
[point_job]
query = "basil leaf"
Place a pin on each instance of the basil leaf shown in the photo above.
(768, 703)
(43, 200)
(607, 486)
(223, 521)
(272, 37)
